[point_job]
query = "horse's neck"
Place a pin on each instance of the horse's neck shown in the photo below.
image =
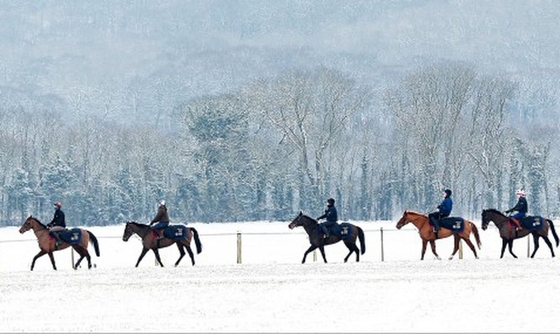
(38, 229)
(419, 221)
(310, 227)
(141, 230)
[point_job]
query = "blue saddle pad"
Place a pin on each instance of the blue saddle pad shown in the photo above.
(532, 222)
(72, 236)
(455, 224)
(175, 232)
(343, 230)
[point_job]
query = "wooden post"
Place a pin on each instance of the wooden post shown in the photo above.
(238, 247)
(72, 257)
(528, 247)
(460, 249)
(315, 255)
(382, 253)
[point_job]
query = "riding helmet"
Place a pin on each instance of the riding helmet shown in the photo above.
(330, 201)
(57, 204)
(448, 192)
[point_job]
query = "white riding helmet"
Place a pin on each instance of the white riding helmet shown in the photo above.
(520, 192)
(162, 202)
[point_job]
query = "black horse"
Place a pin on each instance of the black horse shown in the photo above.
(508, 232)
(150, 241)
(348, 233)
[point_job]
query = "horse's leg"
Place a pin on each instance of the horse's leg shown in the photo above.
(41, 253)
(455, 246)
(309, 250)
(156, 252)
(510, 247)
(181, 252)
(322, 249)
(549, 244)
(424, 244)
(433, 245)
(80, 252)
(536, 241)
(353, 248)
(191, 254)
(51, 256)
(144, 251)
(471, 246)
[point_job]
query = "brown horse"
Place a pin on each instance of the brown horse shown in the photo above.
(421, 222)
(349, 234)
(508, 232)
(150, 241)
(47, 243)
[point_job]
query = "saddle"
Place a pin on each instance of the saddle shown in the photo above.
(71, 236)
(342, 230)
(175, 232)
(531, 222)
(455, 224)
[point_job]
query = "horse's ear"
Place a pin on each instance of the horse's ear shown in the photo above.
(301, 213)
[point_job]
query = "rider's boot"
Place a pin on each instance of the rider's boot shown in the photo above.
(517, 224)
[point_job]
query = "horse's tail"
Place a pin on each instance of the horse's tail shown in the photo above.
(553, 229)
(476, 235)
(93, 240)
(362, 239)
(196, 240)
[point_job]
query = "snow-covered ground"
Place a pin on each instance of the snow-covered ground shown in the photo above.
(389, 290)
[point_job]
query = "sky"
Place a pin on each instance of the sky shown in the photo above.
(389, 290)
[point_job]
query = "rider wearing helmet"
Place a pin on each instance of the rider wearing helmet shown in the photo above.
(58, 223)
(331, 215)
(443, 210)
(521, 207)
(161, 218)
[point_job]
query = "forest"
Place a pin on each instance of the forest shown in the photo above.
(266, 144)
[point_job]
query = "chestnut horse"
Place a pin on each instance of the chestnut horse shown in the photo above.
(421, 222)
(312, 227)
(150, 241)
(508, 232)
(47, 243)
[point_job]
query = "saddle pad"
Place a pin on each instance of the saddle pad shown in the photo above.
(455, 224)
(344, 230)
(532, 222)
(175, 232)
(72, 236)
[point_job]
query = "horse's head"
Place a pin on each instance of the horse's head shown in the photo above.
(128, 231)
(490, 215)
(403, 221)
(301, 220)
(29, 223)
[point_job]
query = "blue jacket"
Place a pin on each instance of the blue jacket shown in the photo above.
(330, 214)
(446, 206)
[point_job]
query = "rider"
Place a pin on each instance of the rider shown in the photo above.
(443, 210)
(57, 224)
(161, 218)
(521, 207)
(331, 215)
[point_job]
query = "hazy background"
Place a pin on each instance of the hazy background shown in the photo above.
(110, 106)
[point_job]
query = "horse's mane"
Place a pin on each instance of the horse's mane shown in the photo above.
(38, 221)
(308, 217)
(138, 224)
(416, 213)
(494, 211)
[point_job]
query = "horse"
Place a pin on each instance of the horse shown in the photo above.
(421, 221)
(76, 238)
(348, 233)
(179, 235)
(508, 232)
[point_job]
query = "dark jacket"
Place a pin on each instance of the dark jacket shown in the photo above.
(446, 206)
(58, 219)
(521, 206)
(161, 216)
(330, 214)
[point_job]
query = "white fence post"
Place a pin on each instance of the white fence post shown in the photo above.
(238, 247)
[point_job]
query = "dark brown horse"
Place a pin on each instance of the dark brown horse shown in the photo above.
(425, 230)
(47, 243)
(508, 232)
(149, 241)
(311, 226)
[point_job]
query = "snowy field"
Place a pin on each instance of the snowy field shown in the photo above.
(389, 290)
